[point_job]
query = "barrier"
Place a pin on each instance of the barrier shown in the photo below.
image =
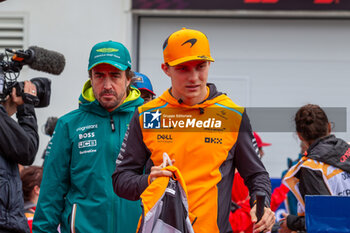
(327, 214)
(276, 182)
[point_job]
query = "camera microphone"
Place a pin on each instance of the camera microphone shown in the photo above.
(36, 58)
(41, 59)
(48, 61)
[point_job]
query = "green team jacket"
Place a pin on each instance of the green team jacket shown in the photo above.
(76, 191)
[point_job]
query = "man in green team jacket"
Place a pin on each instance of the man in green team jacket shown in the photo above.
(76, 190)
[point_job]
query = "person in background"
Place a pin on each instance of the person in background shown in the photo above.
(240, 218)
(260, 144)
(321, 170)
(239, 190)
(49, 128)
(207, 161)
(18, 145)
(76, 190)
(291, 202)
(50, 125)
(143, 83)
(279, 193)
(31, 179)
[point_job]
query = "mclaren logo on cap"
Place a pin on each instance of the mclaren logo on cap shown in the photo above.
(192, 41)
(107, 50)
(203, 57)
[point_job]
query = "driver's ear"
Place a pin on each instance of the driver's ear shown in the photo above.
(165, 67)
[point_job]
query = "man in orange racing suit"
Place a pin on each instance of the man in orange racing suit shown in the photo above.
(203, 131)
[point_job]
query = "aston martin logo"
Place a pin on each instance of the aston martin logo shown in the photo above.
(192, 41)
(107, 50)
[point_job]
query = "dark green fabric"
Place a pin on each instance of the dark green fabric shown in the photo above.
(79, 163)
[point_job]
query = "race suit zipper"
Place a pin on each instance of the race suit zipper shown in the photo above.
(111, 143)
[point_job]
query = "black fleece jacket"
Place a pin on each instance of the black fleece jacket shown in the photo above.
(330, 150)
(18, 145)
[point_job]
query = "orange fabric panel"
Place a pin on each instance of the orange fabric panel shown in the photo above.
(198, 154)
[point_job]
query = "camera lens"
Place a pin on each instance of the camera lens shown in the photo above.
(43, 88)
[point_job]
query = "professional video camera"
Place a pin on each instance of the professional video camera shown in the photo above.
(36, 58)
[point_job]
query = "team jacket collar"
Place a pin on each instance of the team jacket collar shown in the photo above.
(88, 102)
(213, 97)
(331, 150)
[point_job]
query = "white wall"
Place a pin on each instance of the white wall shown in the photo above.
(71, 28)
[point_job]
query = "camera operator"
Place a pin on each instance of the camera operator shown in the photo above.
(18, 145)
